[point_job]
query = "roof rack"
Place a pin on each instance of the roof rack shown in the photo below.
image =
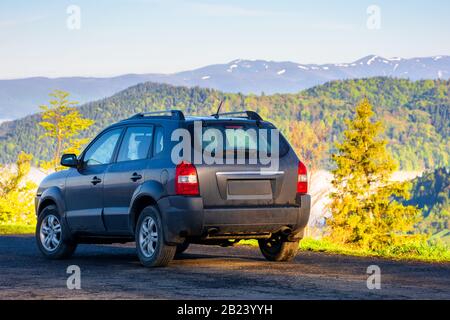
(170, 114)
(251, 115)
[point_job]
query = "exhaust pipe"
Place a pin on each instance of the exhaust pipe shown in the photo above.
(213, 231)
(286, 231)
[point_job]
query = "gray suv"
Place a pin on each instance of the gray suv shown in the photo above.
(126, 187)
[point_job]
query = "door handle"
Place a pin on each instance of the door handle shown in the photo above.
(136, 176)
(96, 180)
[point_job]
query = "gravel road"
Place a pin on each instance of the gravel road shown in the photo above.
(113, 271)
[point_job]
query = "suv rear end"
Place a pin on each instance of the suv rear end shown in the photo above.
(221, 203)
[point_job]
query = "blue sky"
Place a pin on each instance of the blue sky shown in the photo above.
(142, 36)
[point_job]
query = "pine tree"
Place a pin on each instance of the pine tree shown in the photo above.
(62, 123)
(364, 210)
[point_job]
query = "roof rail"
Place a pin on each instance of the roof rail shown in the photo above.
(251, 115)
(170, 114)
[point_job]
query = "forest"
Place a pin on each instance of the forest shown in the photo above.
(415, 115)
(431, 193)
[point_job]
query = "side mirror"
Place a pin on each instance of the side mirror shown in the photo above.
(69, 160)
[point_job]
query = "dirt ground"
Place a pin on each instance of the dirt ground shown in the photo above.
(113, 271)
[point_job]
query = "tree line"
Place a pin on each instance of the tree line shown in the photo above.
(415, 115)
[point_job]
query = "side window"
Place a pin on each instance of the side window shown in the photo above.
(159, 141)
(101, 152)
(136, 143)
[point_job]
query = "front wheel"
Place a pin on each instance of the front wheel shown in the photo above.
(277, 248)
(52, 235)
(151, 248)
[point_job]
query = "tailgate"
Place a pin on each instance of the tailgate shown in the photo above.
(249, 183)
(241, 185)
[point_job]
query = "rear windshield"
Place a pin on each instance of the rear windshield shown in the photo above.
(243, 137)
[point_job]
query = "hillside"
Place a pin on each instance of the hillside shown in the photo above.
(20, 97)
(415, 114)
(431, 193)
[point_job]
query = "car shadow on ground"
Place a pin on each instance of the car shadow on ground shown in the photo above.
(127, 253)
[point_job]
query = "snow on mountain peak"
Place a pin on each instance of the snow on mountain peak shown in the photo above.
(371, 60)
(394, 59)
(230, 68)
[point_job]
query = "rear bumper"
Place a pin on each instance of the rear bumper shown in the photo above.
(186, 217)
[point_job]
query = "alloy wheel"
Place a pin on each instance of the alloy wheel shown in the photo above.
(148, 237)
(50, 233)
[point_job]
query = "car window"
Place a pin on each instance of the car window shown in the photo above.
(102, 150)
(159, 141)
(136, 143)
(245, 137)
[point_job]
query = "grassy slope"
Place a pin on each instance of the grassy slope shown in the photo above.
(427, 253)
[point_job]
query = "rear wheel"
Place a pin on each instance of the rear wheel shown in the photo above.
(277, 248)
(151, 248)
(182, 247)
(52, 235)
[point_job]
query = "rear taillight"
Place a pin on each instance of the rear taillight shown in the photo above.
(302, 179)
(186, 181)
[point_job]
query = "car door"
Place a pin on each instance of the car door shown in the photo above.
(84, 186)
(125, 175)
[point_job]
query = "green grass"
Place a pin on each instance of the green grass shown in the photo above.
(435, 251)
(6, 229)
(444, 236)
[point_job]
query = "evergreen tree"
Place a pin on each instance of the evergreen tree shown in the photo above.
(365, 213)
(63, 123)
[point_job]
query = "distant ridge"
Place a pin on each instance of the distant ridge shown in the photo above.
(19, 97)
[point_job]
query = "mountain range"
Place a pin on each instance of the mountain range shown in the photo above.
(19, 97)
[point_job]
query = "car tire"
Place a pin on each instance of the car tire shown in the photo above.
(277, 248)
(53, 236)
(150, 245)
(182, 247)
